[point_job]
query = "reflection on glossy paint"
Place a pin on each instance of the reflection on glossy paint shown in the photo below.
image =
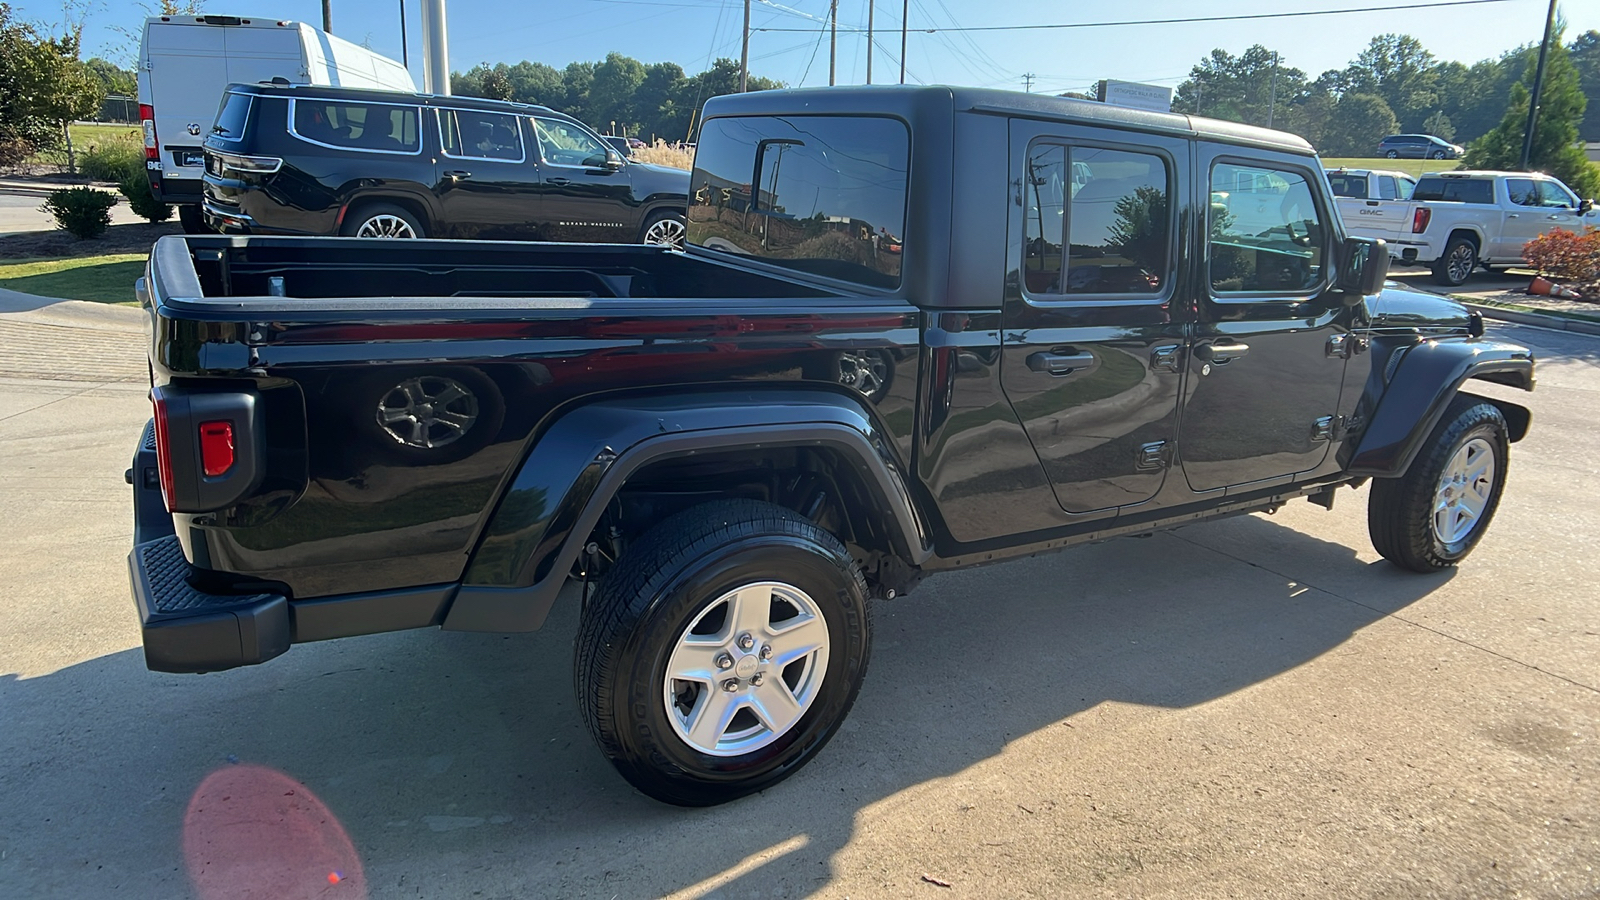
(254, 832)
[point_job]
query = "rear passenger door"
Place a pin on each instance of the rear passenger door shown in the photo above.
(1267, 361)
(486, 179)
(1094, 321)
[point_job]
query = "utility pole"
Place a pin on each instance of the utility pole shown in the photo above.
(905, 11)
(744, 52)
(1538, 85)
(870, 5)
(833, 41)
(1272, 99)
(405, 56)
(327, 16)
(1027, 81)
(435, 49)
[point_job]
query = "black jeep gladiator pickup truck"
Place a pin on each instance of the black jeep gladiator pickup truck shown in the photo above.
(914, 329)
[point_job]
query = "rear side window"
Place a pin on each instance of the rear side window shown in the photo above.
(1455, 190)
(1104, 230)
(820, 194)
(480, 135)
(370, 127)
(232, 116)
(1348, 185)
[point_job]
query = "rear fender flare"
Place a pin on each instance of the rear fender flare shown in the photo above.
(1429, 376)
(580, 462)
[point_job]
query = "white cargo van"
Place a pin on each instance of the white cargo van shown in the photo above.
(185, 62)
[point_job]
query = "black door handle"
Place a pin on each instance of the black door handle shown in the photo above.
(1061, 364)
(1220, 353)
(1372, 203)
(559, 180)
(457, 175)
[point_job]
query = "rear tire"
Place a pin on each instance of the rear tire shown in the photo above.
(1431, 517)
(1456, 265)
(381, 220)
(689, 711)
(664, 229)
(190, 218)
(1393, 154)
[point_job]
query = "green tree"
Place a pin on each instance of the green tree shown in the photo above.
(1555, 135)
(1586, 59)
(1397, 68)
(576, 79)
(1356, 125)
(47, 86)
(1439, 124)
(611, 93)
(113, 79)
(533, 82)
(496, 85)
(1252, 87)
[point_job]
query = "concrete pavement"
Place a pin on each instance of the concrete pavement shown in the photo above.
(19, 212)
(1258, 707)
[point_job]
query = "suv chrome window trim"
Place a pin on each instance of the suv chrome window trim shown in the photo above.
(554, 165)
(298, 136)
(522, 143)
(1318, 198)
(1045, 300)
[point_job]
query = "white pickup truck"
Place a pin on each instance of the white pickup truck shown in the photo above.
(1454, 222)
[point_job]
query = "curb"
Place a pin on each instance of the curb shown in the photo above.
(1542, 320)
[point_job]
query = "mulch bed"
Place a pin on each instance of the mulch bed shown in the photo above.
(117, 239)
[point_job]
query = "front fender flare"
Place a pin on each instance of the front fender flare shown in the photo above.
(577, 465)
(1428, 377)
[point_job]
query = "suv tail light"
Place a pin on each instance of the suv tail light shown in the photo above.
(163, 448)
(254, 165)
(147, 121)
(1420, 219)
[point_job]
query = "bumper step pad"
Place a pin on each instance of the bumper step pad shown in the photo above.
(189, 630)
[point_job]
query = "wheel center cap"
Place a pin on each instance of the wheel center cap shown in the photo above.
(746, 666)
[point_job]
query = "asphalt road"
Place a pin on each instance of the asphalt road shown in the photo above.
(1258, 707)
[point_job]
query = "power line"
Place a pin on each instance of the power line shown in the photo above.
(1190, 19)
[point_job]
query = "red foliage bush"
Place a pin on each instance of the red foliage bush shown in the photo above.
(1568, 258)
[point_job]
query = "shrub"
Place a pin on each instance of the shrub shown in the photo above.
(1567, 258)
(14, 151)
(83, 212)
(136, 187)
(113, 159)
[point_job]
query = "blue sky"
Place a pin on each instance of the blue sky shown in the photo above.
(693, 32)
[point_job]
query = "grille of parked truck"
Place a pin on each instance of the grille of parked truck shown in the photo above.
(912, 330)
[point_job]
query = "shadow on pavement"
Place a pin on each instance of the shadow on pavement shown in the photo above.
(454, 763)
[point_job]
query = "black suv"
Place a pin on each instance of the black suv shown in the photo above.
(299, 159)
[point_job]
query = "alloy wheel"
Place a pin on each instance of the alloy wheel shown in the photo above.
(666, 232)
(386, 226)
(1463, 491)
(427, 412)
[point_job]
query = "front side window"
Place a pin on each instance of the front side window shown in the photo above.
(480, 135)
(374, 127)
(1104, 230)
(565, 144)
(820, 194)
(1523, 191)
(1554, 194)
(1265, 233)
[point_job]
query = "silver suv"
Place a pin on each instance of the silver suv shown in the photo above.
(1419, 146)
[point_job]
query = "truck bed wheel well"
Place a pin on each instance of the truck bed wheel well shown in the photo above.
(816, 482)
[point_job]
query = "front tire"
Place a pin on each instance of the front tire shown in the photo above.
(1431, 517)
(722, 651)
(1456, 265)
(191, 219)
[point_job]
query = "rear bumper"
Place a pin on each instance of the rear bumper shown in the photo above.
(227, 220)
(174, 190)
(188, 630)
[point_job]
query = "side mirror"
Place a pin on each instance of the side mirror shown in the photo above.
(1584, 206)
(613, 160)
(1363, 269)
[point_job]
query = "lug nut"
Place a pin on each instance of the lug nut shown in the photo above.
(746, 641)
(731, 685)
(724, 661)
(757, 678)
(766, 651)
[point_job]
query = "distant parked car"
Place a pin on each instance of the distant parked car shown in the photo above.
(624, 145)
(296, 159)
(1419, 146)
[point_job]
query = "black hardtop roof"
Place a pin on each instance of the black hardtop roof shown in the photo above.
(906, 101)
(373, 95)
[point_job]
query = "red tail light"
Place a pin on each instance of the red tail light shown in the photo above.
(163, 449)
(147, 120)
(1419, 219)
(216, 448)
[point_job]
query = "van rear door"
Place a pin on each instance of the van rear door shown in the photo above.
(186, 68)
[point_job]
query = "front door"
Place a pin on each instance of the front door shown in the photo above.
(1267, 361)
(1093, 325)
(487, 180)
(584, 200)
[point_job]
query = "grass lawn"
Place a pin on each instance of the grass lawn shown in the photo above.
(103, 279)
(84, 137)
(1413, 167)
